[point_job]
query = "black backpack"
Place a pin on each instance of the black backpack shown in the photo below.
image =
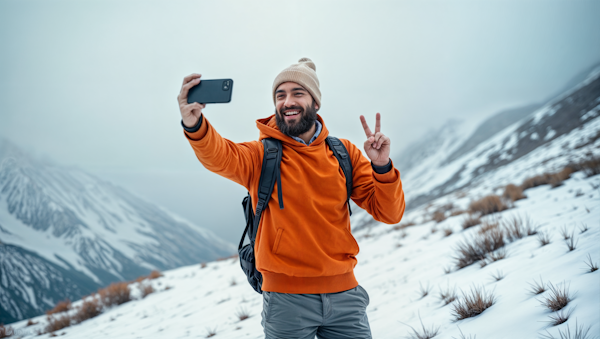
(269, 174)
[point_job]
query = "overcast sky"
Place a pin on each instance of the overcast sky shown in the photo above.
(93, 84)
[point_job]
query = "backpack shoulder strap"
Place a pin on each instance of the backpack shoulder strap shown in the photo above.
(269, 174)
(341, 153)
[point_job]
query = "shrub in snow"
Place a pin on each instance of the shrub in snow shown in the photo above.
(30, 323)
(479, 247)
(447, 232)
(154, 275)
(115, 294)
(537, 180)
(56, 323)
(557, 298)
(470, 221)
(499, 275)
(146, 289)
(518, 227)
(61, 306)
(488, 205)
(90, 308)
(565, 233)
(6, 332)
(513, 193)
(472, 303)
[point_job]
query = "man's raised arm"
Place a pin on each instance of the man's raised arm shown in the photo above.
(237, 162)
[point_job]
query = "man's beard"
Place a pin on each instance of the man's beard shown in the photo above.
(308, 116)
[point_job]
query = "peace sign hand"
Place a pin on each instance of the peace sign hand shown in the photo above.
(377, 145)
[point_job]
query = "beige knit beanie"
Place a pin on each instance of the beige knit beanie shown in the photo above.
(303, 73)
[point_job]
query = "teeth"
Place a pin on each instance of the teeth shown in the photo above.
(291, 113)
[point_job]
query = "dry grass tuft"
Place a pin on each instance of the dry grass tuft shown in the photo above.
(447, 295)
(487, 226)
(62, 306)
(557, 179)
(571, 243)
(518, 227)
(487, 205)
(211, 332)
(146, 289)
(580, 333)
(457, 212)
(478, 247)
(203, 265)
(447, 231)
(591, 167)
(424, 290)
(447, 269)
(30, 322)
(560, 317)
(242, 314)
(424, 333)
(498, 275)
(593, 267)
(89, 309)
(470, 221)
(463, 336)
(57, 323)
(584, 228)
(513, 193)
(154, 275)
(473, 303)
(543, 238)
(537, 288)
(564, 232)
(558, 297)
(403, 225)
(438, 216)
(535, 181)
(6, 332)
(115, 294)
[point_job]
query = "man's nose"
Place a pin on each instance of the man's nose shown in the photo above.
(289, 102)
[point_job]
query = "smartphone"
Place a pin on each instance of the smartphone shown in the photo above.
(211, 91)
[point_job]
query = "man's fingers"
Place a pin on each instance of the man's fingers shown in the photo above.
(190, 77)
(382, 140)
(190, 107)
(377, 123)
(186, 88)
(365, 126)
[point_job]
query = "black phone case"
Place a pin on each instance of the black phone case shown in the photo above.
(211, 91)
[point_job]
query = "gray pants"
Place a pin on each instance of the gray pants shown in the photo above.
(328, 316)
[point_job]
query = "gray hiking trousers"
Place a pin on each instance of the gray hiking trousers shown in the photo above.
(328, 316)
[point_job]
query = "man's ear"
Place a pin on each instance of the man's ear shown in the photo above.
(316, 106)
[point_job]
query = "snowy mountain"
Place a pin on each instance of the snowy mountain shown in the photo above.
(555, 134)
(64, 233)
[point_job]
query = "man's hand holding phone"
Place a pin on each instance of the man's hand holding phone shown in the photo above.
(190, 113)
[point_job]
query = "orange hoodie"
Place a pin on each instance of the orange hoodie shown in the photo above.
(307, 247)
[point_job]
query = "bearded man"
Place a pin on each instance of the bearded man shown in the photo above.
(305, 252)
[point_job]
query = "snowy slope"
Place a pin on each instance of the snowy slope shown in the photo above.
(82, 231)
(203, 299)
(395, 263)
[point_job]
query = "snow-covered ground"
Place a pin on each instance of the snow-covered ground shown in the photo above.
(200, 300)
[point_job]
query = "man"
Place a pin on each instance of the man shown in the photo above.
(305, 252)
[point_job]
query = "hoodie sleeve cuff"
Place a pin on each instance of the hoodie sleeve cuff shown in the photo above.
(195, 128)
(197, 132)
(382, 169)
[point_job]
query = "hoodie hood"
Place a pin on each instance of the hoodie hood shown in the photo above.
(268, 129)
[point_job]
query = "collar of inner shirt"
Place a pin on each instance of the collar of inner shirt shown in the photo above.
(319, 127)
